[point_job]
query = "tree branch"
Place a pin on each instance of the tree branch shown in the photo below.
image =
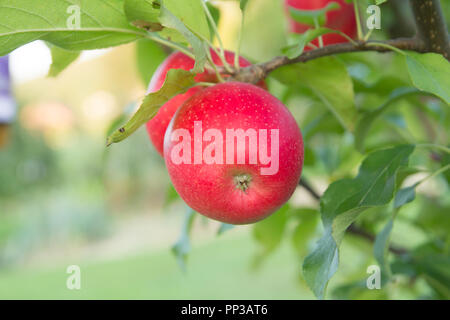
(431, 26)
(305, 184)
(353, 229)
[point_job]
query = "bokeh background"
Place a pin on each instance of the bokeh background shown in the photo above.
(66, 199)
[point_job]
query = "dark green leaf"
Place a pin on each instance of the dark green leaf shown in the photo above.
(435, 269)
(215, 13)
(405, 195)
(177, 81)
(182, 248)
(381, 249)
(341, 204)
(364, 123)
(143, 14)
(430, 72)
(171, 196)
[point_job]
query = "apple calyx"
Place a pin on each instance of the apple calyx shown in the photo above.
(242, 181)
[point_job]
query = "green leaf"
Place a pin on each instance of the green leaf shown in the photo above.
(182, 248)
(224, 227)
(295, 50)
(143, 14)
(341, 204)
(192, 15)
(149, 57)
(430, 72)
(434, 267)
(378, 2)
(311, 17)
(381, 249)
(405, 195)
(269, 232)
(243, 4)
(101, 24)
(169, 20)
(177, 81)
(329, 80)
(215, 13)
(61, 59)
(444, 162)
(366, 120)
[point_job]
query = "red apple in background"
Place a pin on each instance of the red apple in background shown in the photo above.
(228, 187)
(342, 19)
(157, 126)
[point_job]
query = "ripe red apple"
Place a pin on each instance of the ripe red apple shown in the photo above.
(157, 126)
(234, 180)
(342, 19)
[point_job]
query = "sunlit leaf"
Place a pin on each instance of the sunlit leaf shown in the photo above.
(149, 56)
(177, 81)
(61, 59)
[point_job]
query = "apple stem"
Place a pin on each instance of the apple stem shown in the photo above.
(358, 20)
(242, 181)
(317, 26)
(221, 53)
(155, 37)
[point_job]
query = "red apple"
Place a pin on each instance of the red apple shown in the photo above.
(342, 19)
(157, 126)
(234, 180)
